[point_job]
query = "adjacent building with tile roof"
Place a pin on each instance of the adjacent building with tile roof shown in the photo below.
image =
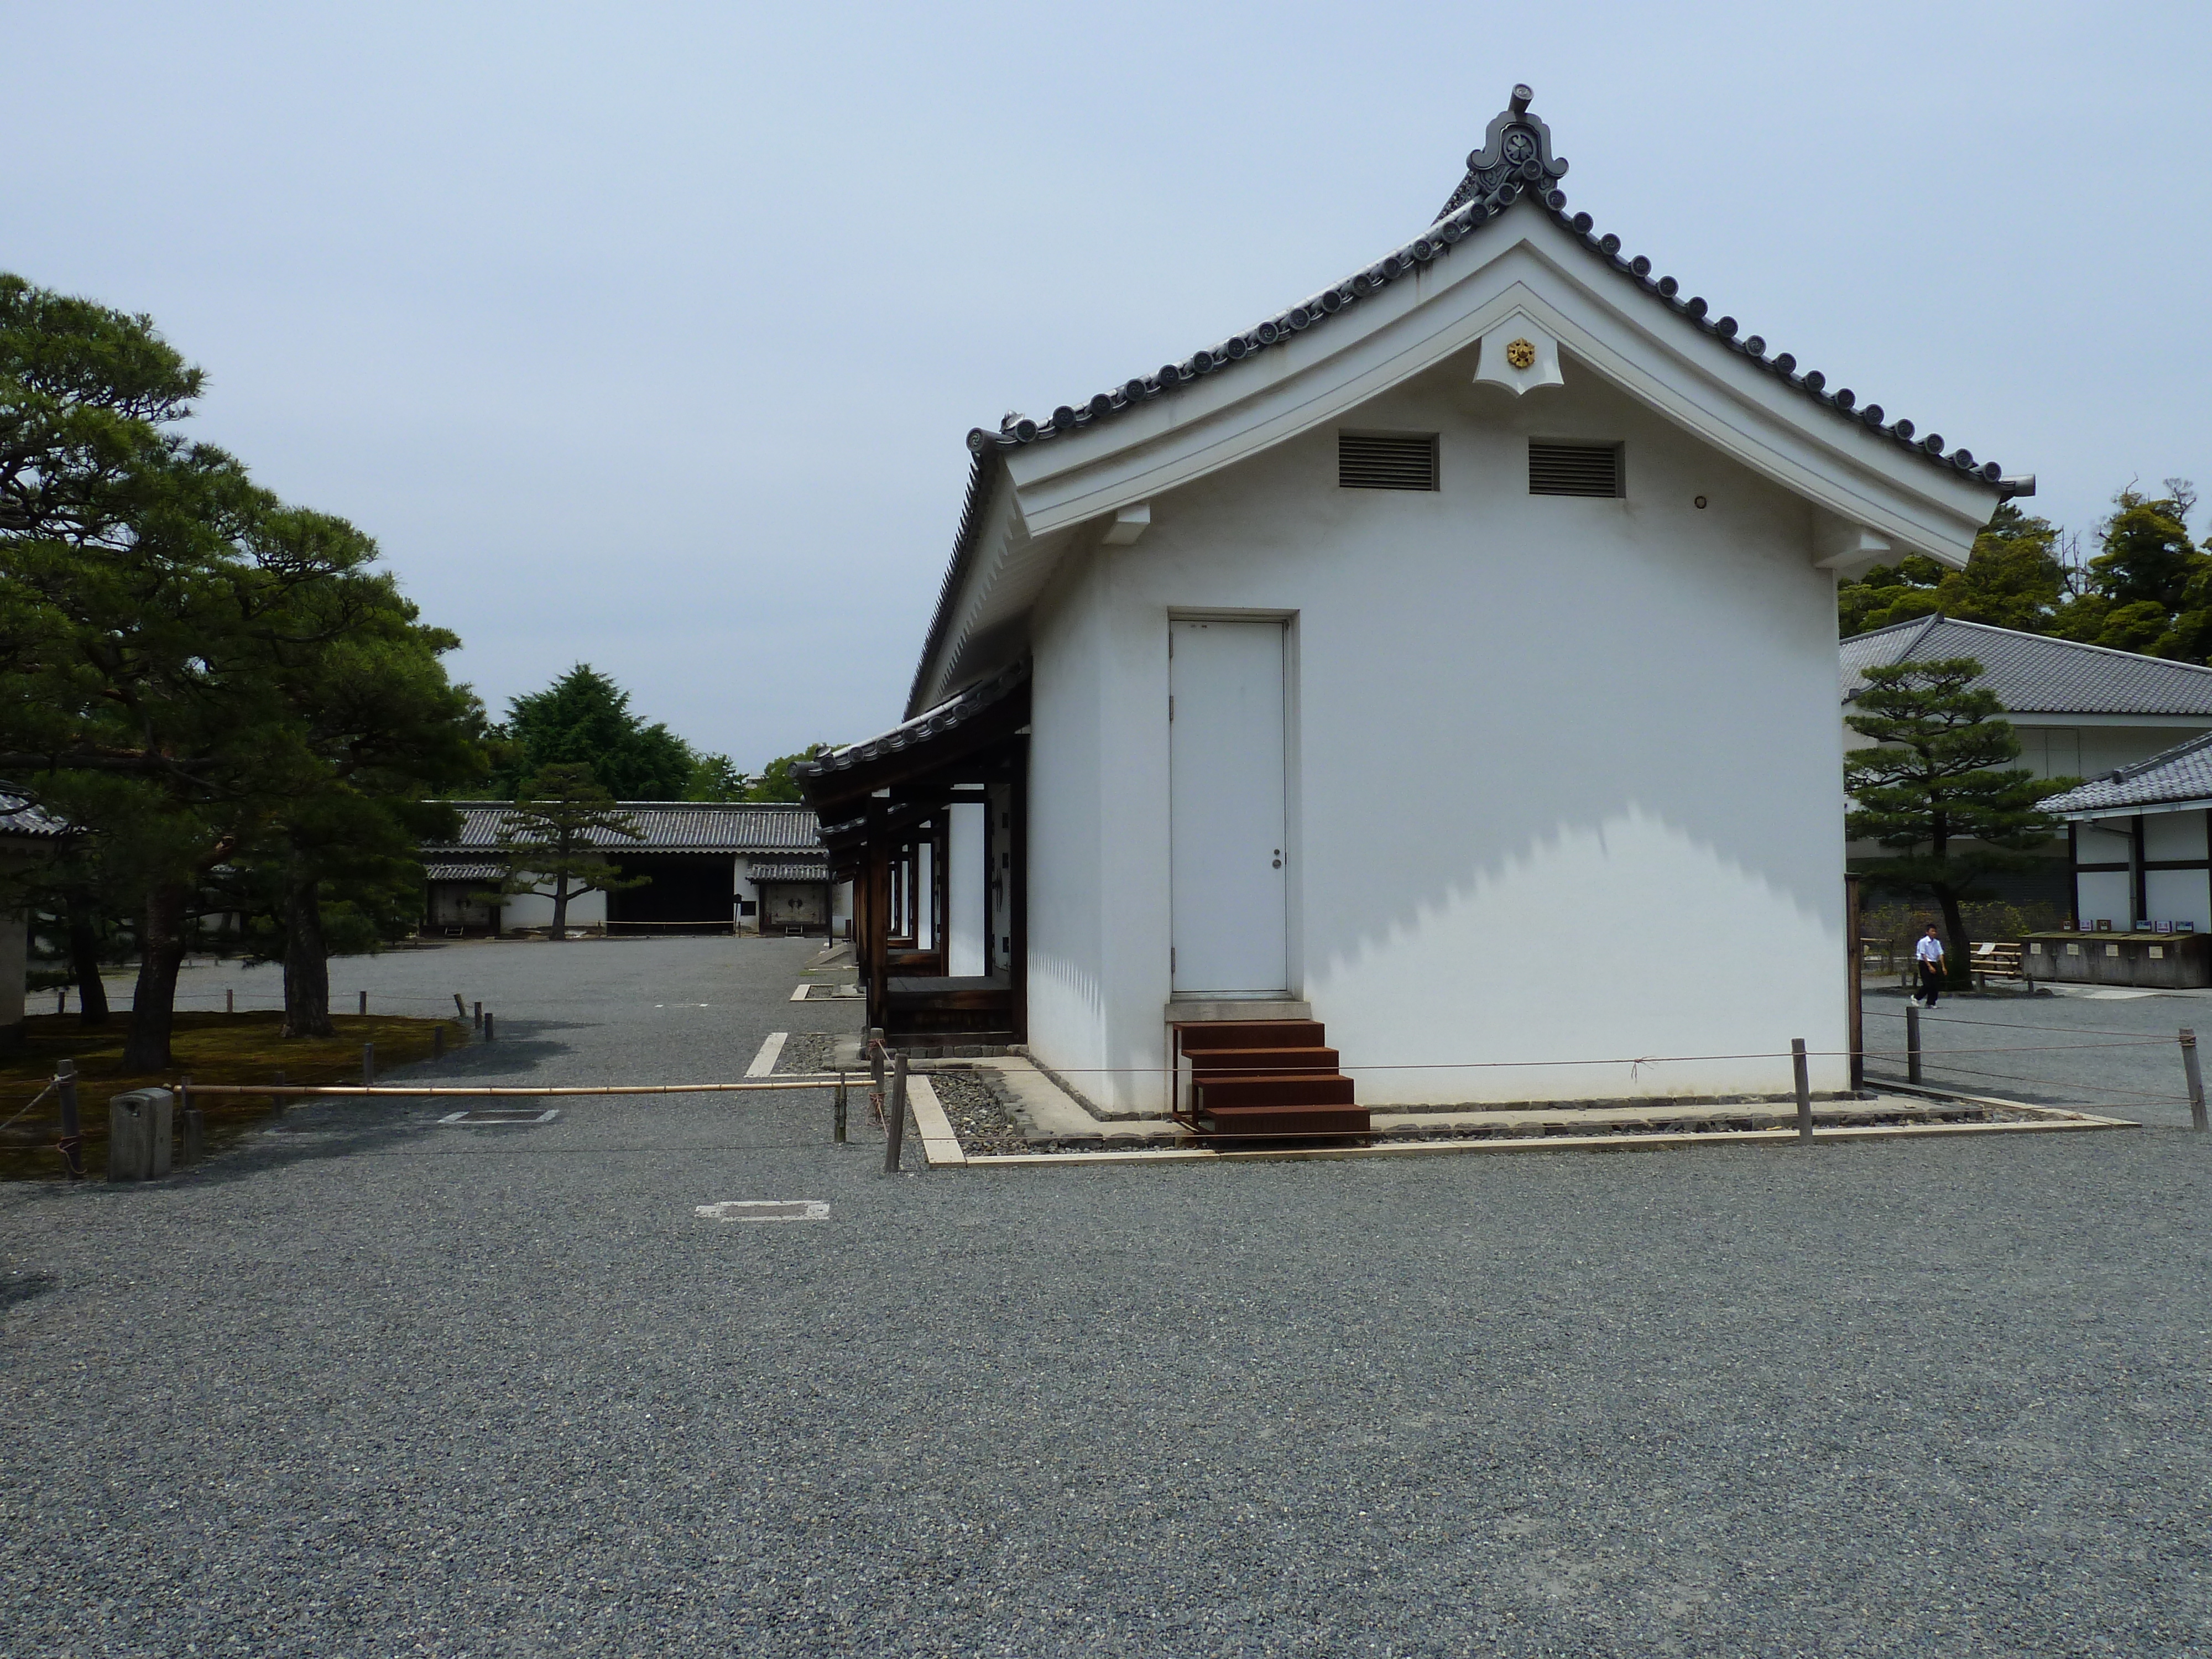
(710, 867)
(2139, 842)
(2081, 711)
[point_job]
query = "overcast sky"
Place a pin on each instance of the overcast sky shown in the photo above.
(647, 335)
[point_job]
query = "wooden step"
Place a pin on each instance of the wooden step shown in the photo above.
(1279, 1062)
(1246, 1125)
(1207, 1035)
(1262, 1089)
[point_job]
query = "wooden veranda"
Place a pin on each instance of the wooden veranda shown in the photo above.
(929, 823)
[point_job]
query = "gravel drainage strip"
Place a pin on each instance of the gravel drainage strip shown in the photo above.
(764, 1209)
(487, 1115)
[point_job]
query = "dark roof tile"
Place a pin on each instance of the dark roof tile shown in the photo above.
(670, 826)
(2033, 673)
(2182, 772)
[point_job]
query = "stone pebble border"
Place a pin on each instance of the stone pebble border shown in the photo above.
(983, 1134)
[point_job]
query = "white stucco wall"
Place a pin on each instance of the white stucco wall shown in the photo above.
(1565, 773)
(523, 910)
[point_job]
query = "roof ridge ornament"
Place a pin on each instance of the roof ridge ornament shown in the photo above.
(1517, 148)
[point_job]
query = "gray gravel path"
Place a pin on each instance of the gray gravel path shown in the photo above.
(375, 1388)
(2120, 1055)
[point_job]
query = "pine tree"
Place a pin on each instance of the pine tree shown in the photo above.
(555, 833)
(1936, 791)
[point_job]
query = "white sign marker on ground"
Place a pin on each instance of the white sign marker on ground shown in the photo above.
(799, 995)
(764, 1061)
(764, 1209)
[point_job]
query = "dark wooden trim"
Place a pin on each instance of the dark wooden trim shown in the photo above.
(2102, 869)
(2177, 864)
(1856, 951)
(2141, 889)
(1019, 875)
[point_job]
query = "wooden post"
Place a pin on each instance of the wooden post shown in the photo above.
(875, 1071)
(61, 1000)
(838, 1113)
(1804, 1088)
(1852, 975)
(2190, 1069)
(192, 1126)
(364, 1002)
(229, 1000)
(1911, 1043)
(461, 1008)
(368, 1065)
(894, 1117)
(487, 1027)
(72, 1143)
(480, 1025)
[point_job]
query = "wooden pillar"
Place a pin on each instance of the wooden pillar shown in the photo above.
(879, 914)
(2138, 882)
(1852, 943)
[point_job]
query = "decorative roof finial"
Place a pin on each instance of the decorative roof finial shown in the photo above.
(1516, 150)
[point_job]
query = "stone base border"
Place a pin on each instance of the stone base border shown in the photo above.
(2048, 1119)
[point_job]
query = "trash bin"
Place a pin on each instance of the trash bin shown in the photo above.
(139, 1128)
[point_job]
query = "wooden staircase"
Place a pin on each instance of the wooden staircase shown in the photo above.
(1258, 1081)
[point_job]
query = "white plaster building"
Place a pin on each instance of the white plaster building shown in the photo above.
(2137, 836)
(710, 867)
(1449, 659)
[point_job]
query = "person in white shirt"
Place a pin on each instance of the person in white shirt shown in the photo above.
(1929, 950)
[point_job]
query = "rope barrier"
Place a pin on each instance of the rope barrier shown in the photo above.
(357, 1090)
(1928, 1019)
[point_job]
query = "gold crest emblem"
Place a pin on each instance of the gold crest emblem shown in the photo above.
(1521, 354)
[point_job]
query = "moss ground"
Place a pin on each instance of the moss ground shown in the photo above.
(207, 1049)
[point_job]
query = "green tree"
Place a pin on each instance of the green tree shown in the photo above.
(716, 778)
(380, 727)
(2016, 577)
(2149, 588)
(775, 783)
(1935, 789)
(554, 834)
(147, 583)
(165, 626)
(583, 718)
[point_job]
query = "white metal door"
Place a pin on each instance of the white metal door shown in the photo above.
(1226, 785)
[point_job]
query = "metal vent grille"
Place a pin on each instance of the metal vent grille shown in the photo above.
(1386, 460)
(1573, 469)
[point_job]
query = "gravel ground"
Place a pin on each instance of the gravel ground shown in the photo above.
(2120, 1056)
(376, 1387)
(808, 1051)
(979, 1118)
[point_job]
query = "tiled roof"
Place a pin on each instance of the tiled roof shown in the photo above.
(23, 818)
(2182, 773)
(2034, 674)
(1516, 161)
(952, 712)
(815, 869)
(463, 871)
(669, 826)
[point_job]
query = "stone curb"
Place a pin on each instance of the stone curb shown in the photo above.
(2065, 1123)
